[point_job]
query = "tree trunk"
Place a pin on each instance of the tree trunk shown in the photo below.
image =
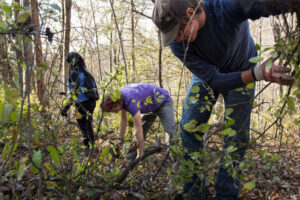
(159, 61)
(41, 89)
(7, 73)
(20, 57)
(68, 6)
(28, 55)
(132, 42)
(98, 52)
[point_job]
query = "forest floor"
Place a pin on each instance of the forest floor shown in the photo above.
(151, 180)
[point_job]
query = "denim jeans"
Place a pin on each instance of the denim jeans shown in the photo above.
(166, 116)
(198, 106)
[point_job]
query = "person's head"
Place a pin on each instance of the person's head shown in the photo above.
(75, 60)
(178, 19)
(111, 104)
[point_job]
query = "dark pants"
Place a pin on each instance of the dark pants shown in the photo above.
(197, 109)
(85, 111)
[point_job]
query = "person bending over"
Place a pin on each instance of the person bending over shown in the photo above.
(212, 39)
(144, 102)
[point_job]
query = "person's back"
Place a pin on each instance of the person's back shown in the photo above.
(143, 97)
(223, 41)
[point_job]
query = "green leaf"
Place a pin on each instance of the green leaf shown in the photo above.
(56, 73)
(229, 122)
(54, 155)
(3, 25)
(6, 150)
(55, 6)
(256, 59)
(6, 111)
(21, 169)
(249, 185)
(232, 133)
(226, 131)
(190, 126)
(250, 86)
(195, 89)
(37, 158)
(6, 8)
(257, 46)
(275, 157)
(23, 16)
(105, 151)
(231, 149)
(11, 95)
(198, 137)
(228, 111)
(291, 104)
(16, 6)
(268, 66)
(203, 127)
(14, 116)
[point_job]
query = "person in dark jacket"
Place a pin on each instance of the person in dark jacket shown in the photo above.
(212, 39)
(82, 91)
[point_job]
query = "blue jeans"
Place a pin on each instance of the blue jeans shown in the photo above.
(198, 96)
(166, 116)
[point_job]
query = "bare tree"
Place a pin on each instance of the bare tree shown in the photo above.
(132, 41)
(7, 73)
(19, 54)
(41, 89)
(67, 9)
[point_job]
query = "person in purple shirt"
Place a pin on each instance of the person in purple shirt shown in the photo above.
(144, 102)
(212, 39)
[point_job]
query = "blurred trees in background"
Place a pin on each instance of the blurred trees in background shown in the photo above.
(120, 45)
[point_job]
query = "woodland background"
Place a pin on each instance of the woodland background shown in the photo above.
(41, 152)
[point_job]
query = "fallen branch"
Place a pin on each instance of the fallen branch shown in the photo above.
(116, 183)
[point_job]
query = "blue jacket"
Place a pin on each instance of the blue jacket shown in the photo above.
(76, 84)
(224, 45)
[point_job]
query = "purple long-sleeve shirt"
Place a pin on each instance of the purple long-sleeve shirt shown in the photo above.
(143, 97)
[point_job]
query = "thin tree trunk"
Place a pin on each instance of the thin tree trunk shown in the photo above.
(7, 73)
(132, 42)
(97, 41)
(120, 38)
(28, 56)
(20, 57)
(68, 6)
(160, 61)
(41, 89)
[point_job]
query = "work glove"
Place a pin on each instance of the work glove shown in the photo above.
(275, 74)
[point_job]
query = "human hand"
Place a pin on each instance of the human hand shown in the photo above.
(275, 74)
(139, 154)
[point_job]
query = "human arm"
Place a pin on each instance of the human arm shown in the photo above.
(240, 10)
(234, 74)
(123, 124)
(138, 132)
